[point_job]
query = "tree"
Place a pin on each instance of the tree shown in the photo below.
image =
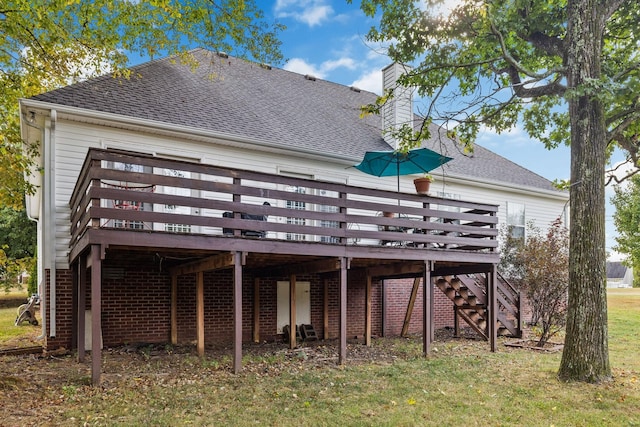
(569, 72)
(17, 246)
(46, 44)
(627, 220)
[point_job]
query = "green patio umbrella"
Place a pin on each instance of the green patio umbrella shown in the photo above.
(390, 163)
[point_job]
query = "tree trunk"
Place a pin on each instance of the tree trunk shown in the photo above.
(586, 355)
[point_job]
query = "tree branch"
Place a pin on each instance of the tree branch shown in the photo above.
(609, 7)
(554, 88)
(550, 45)
(612, 177)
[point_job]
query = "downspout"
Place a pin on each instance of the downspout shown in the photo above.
(50, 155)
(42, 285)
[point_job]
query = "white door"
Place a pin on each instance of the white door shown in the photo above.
(303, 304)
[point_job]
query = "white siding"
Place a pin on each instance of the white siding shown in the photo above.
(72, 141)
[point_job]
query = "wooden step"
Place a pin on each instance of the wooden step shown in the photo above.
(474, 316)
(464, 292)
(442, 284)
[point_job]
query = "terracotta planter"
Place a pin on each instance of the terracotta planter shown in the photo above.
(422, 185)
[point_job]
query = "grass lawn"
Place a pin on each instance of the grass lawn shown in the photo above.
(462, 383)
(12, 336)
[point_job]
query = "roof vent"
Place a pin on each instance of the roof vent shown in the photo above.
(310, 77)
(265, 66)
(223, 54)
(355, 89)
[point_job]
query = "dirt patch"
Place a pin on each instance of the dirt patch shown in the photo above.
(548, 347)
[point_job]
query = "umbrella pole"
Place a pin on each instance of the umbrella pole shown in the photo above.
(398, 175)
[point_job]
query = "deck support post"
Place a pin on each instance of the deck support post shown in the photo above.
(200, 312)
(292, 311)
(256, 310)
(456, 322)
(492, 282)
(367, 315)
(383, 308)
(325, 321)
(432, 296)
(174, 309)
(412, 301)
(342, 352)
(427, 309)
(96, 313)
(237, 312)
(81, 307)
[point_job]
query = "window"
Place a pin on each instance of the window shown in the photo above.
(129, 204)
(297, 205)
(326, 222)
(516, 219)
(183, 210)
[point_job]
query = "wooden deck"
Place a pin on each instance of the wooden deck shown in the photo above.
(228, 218)
(139, 201)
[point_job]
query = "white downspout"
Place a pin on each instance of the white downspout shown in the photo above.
(50, 154)
(41, 250)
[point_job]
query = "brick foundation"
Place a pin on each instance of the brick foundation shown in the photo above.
(136, 306)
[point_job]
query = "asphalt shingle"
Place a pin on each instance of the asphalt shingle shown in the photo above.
(245, 99)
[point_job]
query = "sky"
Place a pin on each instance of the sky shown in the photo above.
(326, 38)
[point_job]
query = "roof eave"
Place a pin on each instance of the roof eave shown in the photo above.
(188, 132)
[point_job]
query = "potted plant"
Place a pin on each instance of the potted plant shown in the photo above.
(422, 184)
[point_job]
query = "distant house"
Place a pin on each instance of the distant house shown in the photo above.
(619, 275)
(151, 213)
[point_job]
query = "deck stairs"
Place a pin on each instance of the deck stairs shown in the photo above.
(468, 293)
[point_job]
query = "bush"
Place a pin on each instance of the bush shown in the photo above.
(540, 265)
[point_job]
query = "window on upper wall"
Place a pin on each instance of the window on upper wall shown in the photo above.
(516, 219)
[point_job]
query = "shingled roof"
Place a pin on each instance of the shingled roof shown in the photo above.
(252, 101)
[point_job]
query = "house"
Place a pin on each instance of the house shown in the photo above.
(153, 227)
(619, 275)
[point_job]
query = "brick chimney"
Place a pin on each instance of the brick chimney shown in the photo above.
(399, 109)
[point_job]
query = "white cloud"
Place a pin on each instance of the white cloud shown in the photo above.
(516, 136)
(310, 12)
(348, 63)
(370, 81)
(301, 66)
(315, 15)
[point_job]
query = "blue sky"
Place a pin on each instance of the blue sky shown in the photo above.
(326, 38)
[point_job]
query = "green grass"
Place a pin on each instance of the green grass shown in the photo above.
(462, 383)
(11, 335)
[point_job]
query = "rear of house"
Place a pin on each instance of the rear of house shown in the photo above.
(220, 206)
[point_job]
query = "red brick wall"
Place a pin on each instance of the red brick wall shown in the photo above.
(64, 309)
(397, 295)
(136, 300)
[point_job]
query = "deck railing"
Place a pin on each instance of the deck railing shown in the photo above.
(121, 190)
